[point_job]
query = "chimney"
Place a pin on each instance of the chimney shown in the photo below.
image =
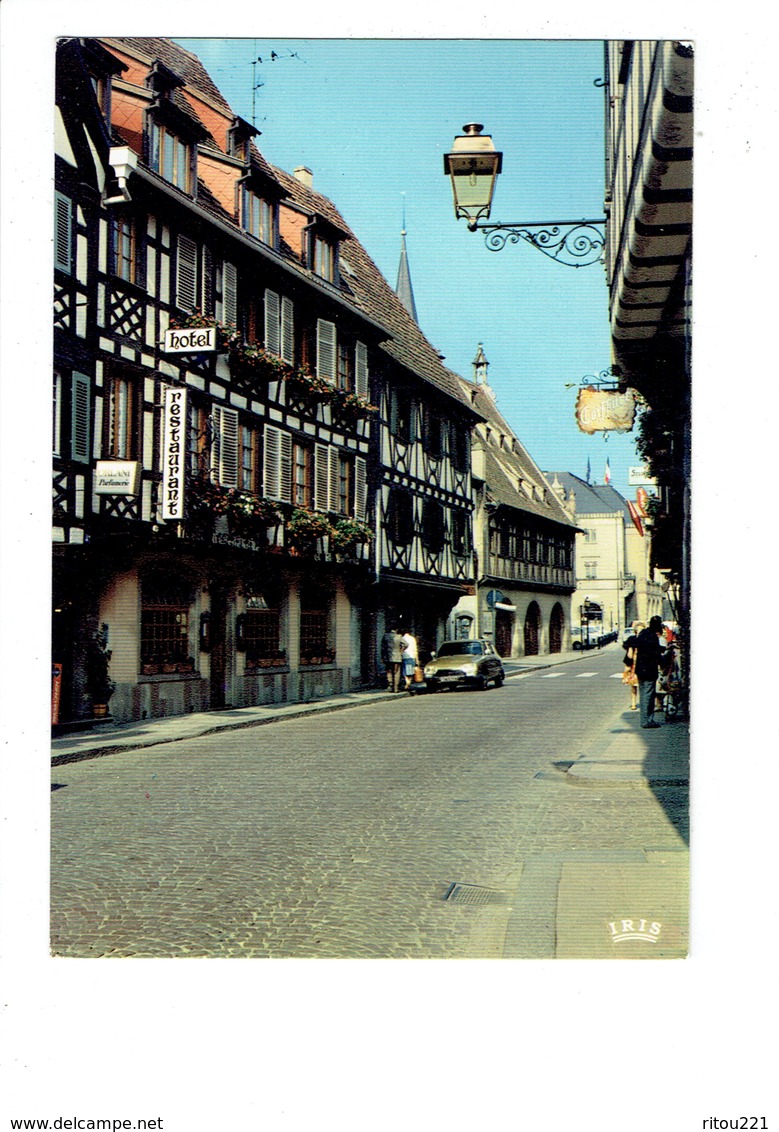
(304, 175)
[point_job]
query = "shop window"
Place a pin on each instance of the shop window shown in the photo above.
(315, 628)
(259, 630)
(164, 628)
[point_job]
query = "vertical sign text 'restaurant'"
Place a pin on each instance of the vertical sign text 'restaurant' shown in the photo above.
(173, 450)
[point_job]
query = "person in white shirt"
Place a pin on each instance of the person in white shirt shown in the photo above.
(409, 647)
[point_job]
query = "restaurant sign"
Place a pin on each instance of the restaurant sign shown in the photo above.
(605, 410)
(190, 340)
(174, 421)
(116, 477)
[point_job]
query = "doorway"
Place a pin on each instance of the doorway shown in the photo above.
(504, 631)
(218, 631)
(532, 629)
(556, 623)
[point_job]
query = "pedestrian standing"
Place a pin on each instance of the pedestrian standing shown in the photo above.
(629, 675)
(392, 657)
(409, 658)
(649, 653)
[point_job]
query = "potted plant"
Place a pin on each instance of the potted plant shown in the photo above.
(351, 407)
(309, 389)
(251, 361)
(99, 684)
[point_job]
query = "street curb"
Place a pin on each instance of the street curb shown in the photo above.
(140, 744)
(636, 782)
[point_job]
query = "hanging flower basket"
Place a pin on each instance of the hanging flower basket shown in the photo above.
(349, 533)
(351, 407)
(304, 527)
(245, 511)
(254, 363)
(309, 388)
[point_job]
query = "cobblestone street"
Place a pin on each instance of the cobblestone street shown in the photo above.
(341, 835)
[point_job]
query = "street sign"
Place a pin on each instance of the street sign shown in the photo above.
(494, 597)
(190, 340)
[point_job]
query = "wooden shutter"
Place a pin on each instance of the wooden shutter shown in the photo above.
(272, 335)
(334, 477)
(63, 228)
(225, 452)
(287, 331)
(361, 370)
(207, 282)
(186, 274)
(321, 478)
(277, 464)
(360, 488)
(325, 349)
(229, 293)
(80, 418)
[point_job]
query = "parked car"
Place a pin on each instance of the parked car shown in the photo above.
(472, 663)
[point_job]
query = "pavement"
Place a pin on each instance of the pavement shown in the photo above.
(573, 902)
(625, 755)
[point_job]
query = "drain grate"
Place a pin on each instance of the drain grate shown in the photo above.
(473, 894)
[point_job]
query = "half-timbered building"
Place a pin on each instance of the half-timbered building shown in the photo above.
(524, 541)
(258, 457)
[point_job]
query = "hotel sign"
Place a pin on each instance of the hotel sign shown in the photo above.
(190, 340)
(174, 425)
(605, 410)
(116, 477)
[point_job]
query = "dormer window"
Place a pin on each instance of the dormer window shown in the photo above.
(324, 259)
(321, 248)
(239, 135)
(258, 216)
(171, 157)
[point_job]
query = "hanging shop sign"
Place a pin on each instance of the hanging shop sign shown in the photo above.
(190, 340)
(174, 423)
(639, 477)
(117, 477)
(605, 410)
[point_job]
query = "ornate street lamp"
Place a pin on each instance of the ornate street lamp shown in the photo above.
(473, 165)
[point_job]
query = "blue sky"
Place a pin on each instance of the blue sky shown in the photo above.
(373, 117)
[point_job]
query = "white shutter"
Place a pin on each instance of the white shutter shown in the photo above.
(225, 449)
(285, 468)
(321, 477)
(80, 413)
(287, 330)
(334, 477)
(325, 349)
(360, 487)
(63, 213)
(229, 294)
(361, 369)
(207, 282)
(272, 336)
(186, 274)
(271, 478)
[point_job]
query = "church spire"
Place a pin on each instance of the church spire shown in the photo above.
(403, 289)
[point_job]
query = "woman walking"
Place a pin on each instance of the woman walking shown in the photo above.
(629, 675)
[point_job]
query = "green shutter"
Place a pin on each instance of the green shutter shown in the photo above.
(63, 233)
(80, 418)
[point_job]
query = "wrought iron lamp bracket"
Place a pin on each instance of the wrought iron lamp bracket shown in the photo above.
(574, 243)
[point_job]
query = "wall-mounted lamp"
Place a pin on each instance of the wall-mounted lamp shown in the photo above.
(473, 166)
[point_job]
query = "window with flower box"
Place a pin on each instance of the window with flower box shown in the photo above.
(248, 479)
